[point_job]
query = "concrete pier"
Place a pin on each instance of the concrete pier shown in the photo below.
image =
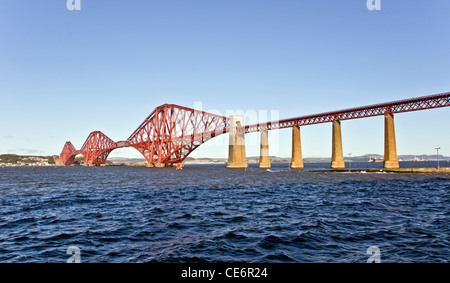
(297, 159)
(236, 148)
(264, 159)
(390, 147)
(337, 155)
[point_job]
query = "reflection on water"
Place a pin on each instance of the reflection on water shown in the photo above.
(207, 213)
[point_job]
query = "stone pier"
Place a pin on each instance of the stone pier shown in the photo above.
(337, 155)
(297, 159)
(264, 159)
(236, 148)
(390, 148)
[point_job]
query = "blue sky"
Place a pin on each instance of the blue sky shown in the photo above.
(66, 73)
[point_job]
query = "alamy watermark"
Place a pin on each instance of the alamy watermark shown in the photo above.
(73, 5)
(75, 254)
(250, 117)
(373, 5)
(375, 254)
(373, 251)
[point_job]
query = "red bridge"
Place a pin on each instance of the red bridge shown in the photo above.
(171, 132)
(168, 135)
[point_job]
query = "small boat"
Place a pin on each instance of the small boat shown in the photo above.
(416, 159)
(373, 159)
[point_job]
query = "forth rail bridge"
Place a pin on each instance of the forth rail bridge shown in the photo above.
(171, 132)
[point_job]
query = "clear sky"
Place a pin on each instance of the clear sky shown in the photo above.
(66, 73)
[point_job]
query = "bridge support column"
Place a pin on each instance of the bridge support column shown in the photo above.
(264, 159)
(337, 155)
(297, 159)
(236, 148)
(390, 148)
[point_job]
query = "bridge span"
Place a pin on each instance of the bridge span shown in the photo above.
(171, 132)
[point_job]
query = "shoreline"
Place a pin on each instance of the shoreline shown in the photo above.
(419, 170)
(395, 170)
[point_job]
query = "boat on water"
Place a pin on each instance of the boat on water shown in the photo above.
(374, 159)
(417, 159)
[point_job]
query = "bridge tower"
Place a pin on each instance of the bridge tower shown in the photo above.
(337, 155)
(390, 147)
(264, 159)
(236, 148)
(297, 160)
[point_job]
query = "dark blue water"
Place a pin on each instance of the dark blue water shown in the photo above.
(211, 214)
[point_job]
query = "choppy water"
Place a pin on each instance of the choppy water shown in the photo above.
(211, 214)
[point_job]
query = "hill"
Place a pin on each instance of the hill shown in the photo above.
(31, 160)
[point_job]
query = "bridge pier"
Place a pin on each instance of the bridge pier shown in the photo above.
(161, 165)
(297, 159)
(236, 147)
(390, 148)
(264, 159)
(337, 155)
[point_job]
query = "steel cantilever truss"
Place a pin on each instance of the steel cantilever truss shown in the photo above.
(68, 153)
(168, 135)
(171, 132)
(96, 148)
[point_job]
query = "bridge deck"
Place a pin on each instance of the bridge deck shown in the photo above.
(400, 106)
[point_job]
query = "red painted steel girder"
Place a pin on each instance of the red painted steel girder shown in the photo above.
(400, 106)
(96, 148)
(171, 132)
(68, 153)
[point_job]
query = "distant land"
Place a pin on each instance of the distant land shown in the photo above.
(31, 160)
